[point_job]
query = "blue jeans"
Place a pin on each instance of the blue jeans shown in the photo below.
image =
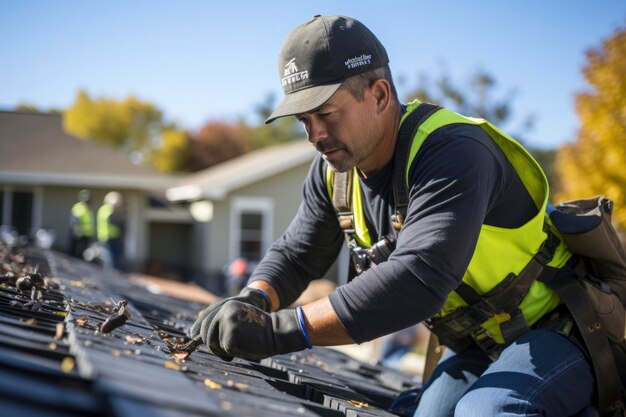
(542, 373)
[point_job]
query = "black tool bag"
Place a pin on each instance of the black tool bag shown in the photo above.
(596, 296)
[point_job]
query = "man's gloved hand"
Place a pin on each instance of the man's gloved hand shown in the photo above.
(247, 295)
(242, 330)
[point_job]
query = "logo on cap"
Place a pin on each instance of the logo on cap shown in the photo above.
(291, 74)
(358, 61)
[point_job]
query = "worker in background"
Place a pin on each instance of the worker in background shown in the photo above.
(111, 223)
(474, 220)
(82, 226)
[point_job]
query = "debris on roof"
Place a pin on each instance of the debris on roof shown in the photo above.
(76, 340)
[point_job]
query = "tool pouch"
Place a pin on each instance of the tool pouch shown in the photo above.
(597, 293)
(585, 226)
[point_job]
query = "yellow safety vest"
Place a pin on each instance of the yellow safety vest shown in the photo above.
(84, 215)
(499, 251)
(106, 229)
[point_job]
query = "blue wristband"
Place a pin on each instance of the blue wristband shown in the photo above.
(302, 326)
(267, 297)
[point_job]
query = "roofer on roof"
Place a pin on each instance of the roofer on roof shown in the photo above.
(470, 218)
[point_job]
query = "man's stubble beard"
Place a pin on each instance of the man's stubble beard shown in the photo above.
(345, 165)
(354, 158)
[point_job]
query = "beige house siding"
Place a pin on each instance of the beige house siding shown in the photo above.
(284, 192)
(266, 182)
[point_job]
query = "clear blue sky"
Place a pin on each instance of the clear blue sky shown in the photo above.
(205, 60)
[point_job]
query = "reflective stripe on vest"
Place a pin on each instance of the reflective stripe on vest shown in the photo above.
(499, 251)
(361, 234)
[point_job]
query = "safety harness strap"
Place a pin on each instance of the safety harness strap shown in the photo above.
(342, 190)
(342, 200)
(342, 181)
(567, 285)
(405, 137)
(502, 303)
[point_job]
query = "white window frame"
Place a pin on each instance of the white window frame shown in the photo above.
(260, 205)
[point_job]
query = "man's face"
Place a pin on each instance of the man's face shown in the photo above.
(344, 130)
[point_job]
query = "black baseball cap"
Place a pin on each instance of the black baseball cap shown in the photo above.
(318, 56)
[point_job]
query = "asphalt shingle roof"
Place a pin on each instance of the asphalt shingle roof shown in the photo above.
(55, 361)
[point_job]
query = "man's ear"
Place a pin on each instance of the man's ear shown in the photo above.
(381, 91)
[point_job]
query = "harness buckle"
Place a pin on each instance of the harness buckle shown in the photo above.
(346, 221)
(547, 249)
(397, 220)
(502, 317)
(488, 310)
(486, 343)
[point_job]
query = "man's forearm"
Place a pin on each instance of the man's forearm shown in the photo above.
(269, 290)
(323, 325)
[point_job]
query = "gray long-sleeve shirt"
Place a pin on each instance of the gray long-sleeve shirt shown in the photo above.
(458, 181)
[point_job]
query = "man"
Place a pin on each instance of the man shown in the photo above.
(111, 223)
(82, 227)
(474, 221)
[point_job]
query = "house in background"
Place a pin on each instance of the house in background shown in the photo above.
(42, 169)
(210, 218)
(243, 205)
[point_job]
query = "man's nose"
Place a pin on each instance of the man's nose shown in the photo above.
(316, 132)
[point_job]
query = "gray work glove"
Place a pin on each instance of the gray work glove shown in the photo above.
(241, 330)
(247, 295)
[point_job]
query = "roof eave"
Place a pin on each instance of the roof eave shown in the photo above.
(82, 180)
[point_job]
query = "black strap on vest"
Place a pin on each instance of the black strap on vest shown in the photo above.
(457, 329)
(504, 299)
(405, 138)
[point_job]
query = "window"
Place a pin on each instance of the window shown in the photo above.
(251, 227)
(18, 208)
(251, 240)
(22, 212)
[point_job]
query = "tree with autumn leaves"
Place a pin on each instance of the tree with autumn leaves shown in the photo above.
(130, 125)
(596, 162)
(139, 129)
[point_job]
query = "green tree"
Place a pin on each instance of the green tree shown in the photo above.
(594, 163)
(546, 158)
(281, 130)
(27, 108)
(476, 99)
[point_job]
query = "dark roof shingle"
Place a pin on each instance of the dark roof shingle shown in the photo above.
(55, 362)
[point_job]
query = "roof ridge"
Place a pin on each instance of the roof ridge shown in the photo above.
(30, 113)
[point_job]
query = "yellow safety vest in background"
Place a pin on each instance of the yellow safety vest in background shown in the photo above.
(84, 215)
(106, 230)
